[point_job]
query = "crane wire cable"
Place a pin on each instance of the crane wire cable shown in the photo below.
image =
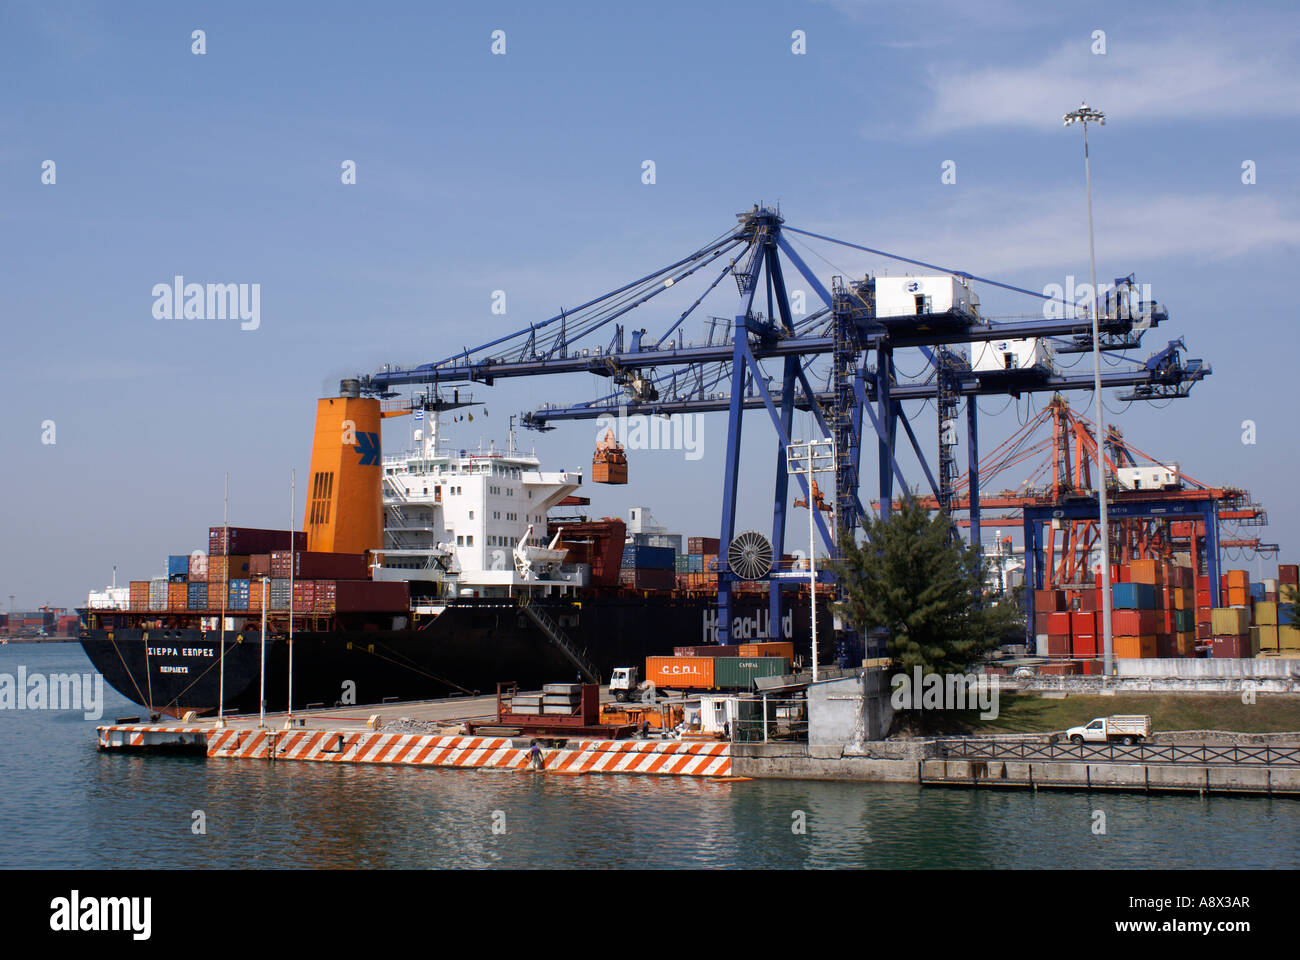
(929, 266)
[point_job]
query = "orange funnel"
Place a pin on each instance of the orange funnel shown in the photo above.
(345, 505)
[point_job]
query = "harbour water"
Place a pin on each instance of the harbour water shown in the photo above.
(63, 804)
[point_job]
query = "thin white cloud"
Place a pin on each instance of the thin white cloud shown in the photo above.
(1139, 77)
(990, 234)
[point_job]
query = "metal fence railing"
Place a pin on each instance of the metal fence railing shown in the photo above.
(770, 719)
(1285, 755)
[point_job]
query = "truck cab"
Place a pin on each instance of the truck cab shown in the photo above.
(1117, 729)
(623, 683)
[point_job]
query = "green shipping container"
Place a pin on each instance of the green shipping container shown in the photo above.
(739, 673)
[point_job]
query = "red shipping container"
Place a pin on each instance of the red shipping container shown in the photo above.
(1083, 624)
(259, 565)
(1040, 622)
(1203, 583)
(643, 579)
(304, 595)
(1059, 623)
(326, 596)
(1086, 646)
(1058, 645)
(318, 565)
(1229, 648)
(1089, 600)
(246, 540)
(1048, 601)
(1203, 599)
(372, 596)
(1203, 631)
(1133, 623)
(1166, 645)
(1288, 573)
(703, 545)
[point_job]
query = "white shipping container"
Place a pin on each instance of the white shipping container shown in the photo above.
(909, 296)
(112, 598)
(1006, 356)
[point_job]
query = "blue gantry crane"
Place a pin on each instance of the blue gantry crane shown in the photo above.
(836, 362)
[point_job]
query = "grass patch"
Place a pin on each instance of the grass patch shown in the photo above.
(1030, 713)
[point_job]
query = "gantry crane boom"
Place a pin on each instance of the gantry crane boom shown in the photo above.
(860, 390)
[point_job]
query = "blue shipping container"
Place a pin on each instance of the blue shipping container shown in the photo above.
(198, 597)
(238, 595)
(649, 558)
(1257, 591)
(178, 565)
(1133, 596)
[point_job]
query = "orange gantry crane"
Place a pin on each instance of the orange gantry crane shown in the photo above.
(1147, 521)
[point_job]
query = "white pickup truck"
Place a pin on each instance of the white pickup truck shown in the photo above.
(1125, 729)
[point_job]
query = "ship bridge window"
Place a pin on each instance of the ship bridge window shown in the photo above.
(460, 541)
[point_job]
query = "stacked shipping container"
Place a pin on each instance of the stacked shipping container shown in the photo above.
(648, 568)
(323, 582)
(1162, 609)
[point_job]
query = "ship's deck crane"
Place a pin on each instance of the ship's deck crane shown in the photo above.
(858, 391)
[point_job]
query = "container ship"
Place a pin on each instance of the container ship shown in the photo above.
(428, 573)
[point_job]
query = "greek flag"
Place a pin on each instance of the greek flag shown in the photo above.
(419, 416)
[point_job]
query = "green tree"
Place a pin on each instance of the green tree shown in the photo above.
(911, 577)
(1288, 594)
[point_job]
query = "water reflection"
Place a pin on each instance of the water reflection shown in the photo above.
(66, 805)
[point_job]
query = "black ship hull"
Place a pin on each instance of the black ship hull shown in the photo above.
(467, 649)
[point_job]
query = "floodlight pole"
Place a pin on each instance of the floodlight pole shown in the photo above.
(1083, 115)
(802, 459)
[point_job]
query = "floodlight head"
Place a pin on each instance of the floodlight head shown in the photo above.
(1084, 114)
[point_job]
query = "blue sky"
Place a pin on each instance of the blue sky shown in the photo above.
(523, 173)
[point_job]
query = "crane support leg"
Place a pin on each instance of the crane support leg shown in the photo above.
(973, 466)
(782, 493)
(1212, 558)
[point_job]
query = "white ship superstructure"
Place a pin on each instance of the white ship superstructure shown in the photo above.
(473, 521)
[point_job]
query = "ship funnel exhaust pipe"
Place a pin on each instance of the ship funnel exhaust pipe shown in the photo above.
(344, 512)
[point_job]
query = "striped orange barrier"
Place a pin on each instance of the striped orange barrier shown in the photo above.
(653, 757)
(136, 737)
